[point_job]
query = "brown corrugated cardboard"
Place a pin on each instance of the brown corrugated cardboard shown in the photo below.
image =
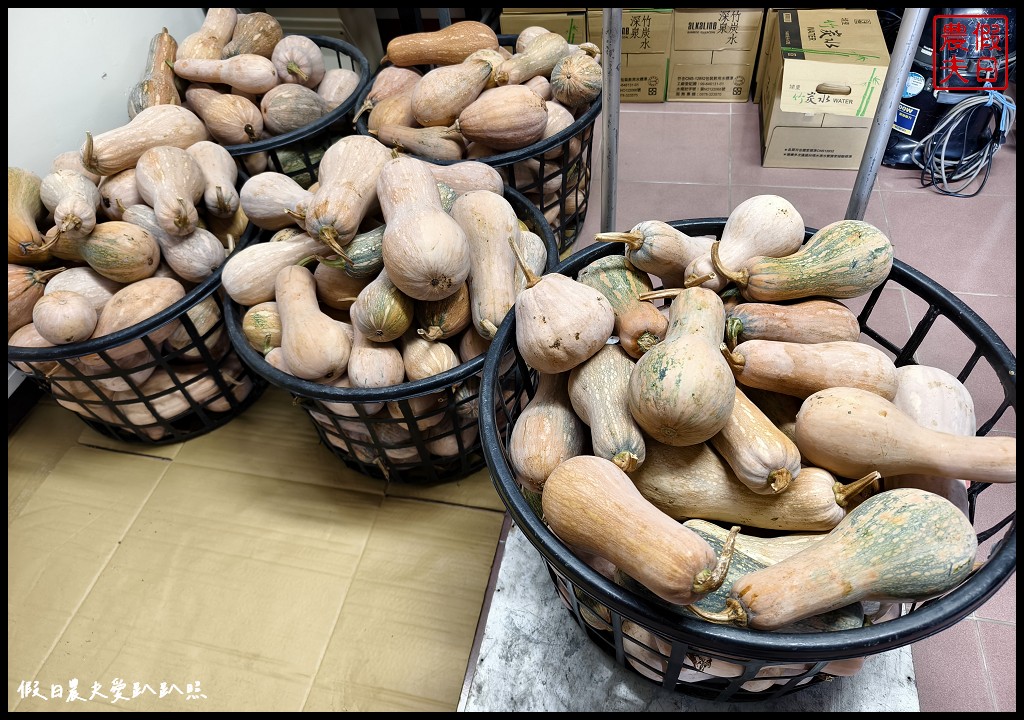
(522, 11)
(642, 78)
(710, 76)
(770, 30)
(832, 60)
(571, 26)
(716, 28)
(644, 30)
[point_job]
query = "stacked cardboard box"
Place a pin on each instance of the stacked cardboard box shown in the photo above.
(714, 51)
(570, 23)
(823, 74)
(645, 48)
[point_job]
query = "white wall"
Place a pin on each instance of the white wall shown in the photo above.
(69, 71)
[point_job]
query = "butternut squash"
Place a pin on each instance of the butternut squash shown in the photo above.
(446, 91)
(202, 335)
(86, 282)
(118, 192)
(935, 400)
(64, 317)
(846, 429)
(446, 46)
(576, 80)
(538, 59)
(363, 256)
(274, 201)
(528, 35)
(694, 482)
(560, 322)
(209, 40)
(261, 326)
(669, 559)
(680, 393)
(131, 305)
(491, 227)
(597, 390)
(335, 288)
(462, 177)
(374, 364)
(764, 225)
(121, 251)
(73, 200)
(425, 250)
(298, 60)
(504, 118)
(193, 257)
(810, 321)
(348, 184)
(763, 458)
(25, 287)
(845, 259)
(71, 160)
(220, 174)
(254, 33)
(289, 107)
(765, 550)
(157, 84)
(337, 86)
(424, 359)
(382, 312)
(904, 545)
(120, 148)
(547, 432)
(659, 249)
(250, 274)
(638, 324)
(540, 85)
(314, 344)
(247, 72)
(801, 369)
(389, 81)
(442, 319)
(433, 143)
(171, 182)
(24, 209)
(26, 336)
(393, 110)
(231, 119)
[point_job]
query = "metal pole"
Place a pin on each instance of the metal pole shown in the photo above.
(611, 60)
(907, 40)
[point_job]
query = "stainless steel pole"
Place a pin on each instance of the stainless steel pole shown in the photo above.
(611, 61)
(907, 40)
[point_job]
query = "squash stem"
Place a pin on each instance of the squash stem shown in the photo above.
(41, 277)
(734, 614)
(329, 237)
(647, 340)
(843, 492)
(433, 333)
(736, 360)
(663, 293)
(489, 330)
(250, 132)
(366, 106)
(741, 278)
(733, 330)
(531, 277)
(697, 280)
(779, 479)
(708, 581)
(294, 69)
(627, 461)
(634, 241)
(181, 222)
(301, 217)
(222, 203)
(88, 160)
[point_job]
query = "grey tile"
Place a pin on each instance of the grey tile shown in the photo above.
(950, 670)
(999, 643)
(963, 245)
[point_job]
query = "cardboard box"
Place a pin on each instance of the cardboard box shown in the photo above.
(808, 140)
(709, 76)
(716, 28)
(642, 78)
(571, 26)
(831, 61)
(533, 11)
(771, 29)
(644, 30)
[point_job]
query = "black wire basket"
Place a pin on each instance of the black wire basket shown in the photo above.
(719, 662)
(169, 378)
(554, 173)
(297, 153)
(420, 432)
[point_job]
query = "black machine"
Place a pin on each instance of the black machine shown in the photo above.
(954, 115)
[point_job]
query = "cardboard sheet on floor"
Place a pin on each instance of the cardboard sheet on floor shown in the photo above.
(59, 544)
(34, 448)
(275, 438)
(404, 638)
(227, 580)
(476, 490)
(95, 439)
(533, 657)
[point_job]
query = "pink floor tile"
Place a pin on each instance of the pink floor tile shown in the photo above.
(888, 317)
(999, 644)
(697, 108)
(674, 147)
(950, 671)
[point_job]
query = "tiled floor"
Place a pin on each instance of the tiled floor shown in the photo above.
(138, 566)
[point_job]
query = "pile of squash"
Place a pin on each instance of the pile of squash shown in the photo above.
(478, 100)
(746, 402)
(244, 79)
(389, 270)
